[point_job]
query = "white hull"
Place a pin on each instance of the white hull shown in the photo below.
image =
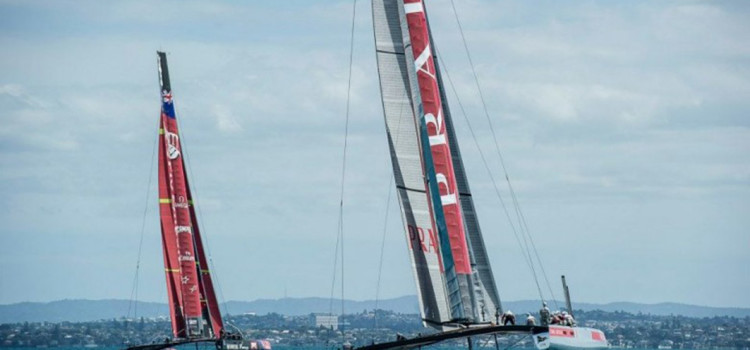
(568, 338)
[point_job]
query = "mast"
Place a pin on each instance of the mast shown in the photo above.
(567, 296)
(192, 303)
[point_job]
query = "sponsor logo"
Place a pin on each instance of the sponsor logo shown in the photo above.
(599, 336)
(186, 257)
(561, 332)
(441, 154)
(418, 239)
(436, 129)
(181, 202)
(181, 229)
(173, 144)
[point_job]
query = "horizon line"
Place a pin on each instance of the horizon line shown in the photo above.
(372, 300)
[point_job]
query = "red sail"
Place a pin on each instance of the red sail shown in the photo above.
(208, 303)
(436, 129)
(192, 302)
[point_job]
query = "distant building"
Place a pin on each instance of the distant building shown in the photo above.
(326, 320)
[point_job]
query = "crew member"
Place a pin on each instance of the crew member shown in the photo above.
(569, 321)
(544, 314)
(556, 319)
(530, 320)
(509, 317)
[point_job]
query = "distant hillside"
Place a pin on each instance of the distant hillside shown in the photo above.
(77, 310)
(304, 306)
(91, 310)
(664, 309)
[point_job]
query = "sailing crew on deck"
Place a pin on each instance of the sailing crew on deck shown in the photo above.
(530, 320)
(568, 319)
(556, 318)
(544, 314)
(509, 317)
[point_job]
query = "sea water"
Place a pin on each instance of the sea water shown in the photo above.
(275, 347)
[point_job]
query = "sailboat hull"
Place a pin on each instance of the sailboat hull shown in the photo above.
(569, 338)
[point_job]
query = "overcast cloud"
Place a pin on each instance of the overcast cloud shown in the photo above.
(624, 126)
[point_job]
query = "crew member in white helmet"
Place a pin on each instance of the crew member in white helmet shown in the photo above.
(544, 314)
(509, 317)
(530, 320)
(569, 320)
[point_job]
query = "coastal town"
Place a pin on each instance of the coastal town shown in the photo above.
(623, 330)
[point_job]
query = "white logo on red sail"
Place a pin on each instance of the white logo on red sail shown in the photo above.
(186, 257)
(436, 129)
(173, 145)
(181, 202)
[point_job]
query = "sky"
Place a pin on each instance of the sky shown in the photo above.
(624, 126)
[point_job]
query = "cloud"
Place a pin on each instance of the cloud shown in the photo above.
(623, 127)
(225, 119)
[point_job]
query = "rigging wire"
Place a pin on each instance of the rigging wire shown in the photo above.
(387, 208)
(382, 249)
(343, 165)
(134, 291)
(335, 269)
(521, 219)
(199, 219)
(524, 252)
(340, 234)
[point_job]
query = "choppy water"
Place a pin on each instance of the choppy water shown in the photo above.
(275, 347)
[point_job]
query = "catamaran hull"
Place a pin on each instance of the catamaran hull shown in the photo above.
(569, 338)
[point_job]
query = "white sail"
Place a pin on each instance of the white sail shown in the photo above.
(399, 91)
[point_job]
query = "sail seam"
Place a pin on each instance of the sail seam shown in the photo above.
(390, 52)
